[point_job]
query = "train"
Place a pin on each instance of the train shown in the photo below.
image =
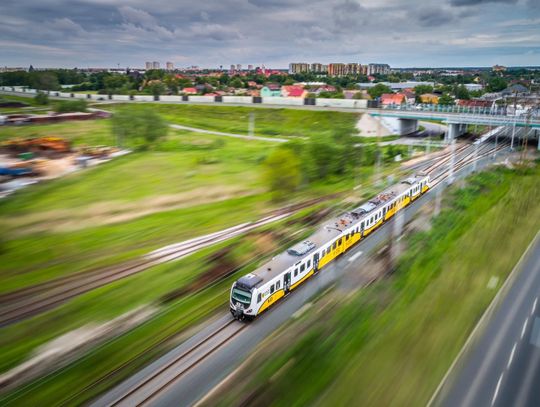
(253, 294)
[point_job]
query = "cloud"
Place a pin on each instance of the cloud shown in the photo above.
(433, 17)
(273, 32)
(477, 2)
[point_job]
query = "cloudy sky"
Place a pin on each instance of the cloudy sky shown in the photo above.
(209, 33)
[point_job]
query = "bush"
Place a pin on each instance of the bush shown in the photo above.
(41, 98)
(281, 172)
(70, 106)
(138, 128)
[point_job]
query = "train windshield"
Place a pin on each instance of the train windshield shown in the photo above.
(241, 295)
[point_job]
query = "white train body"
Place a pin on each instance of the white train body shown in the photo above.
(254, 293)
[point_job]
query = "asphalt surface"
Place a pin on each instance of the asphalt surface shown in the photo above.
(503, 366)
(190, 387)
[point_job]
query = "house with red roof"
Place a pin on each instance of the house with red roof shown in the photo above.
(189, 91)
(293, 91)
(392, 99)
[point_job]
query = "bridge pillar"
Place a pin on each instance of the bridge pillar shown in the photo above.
(455, 130)
(407, 126)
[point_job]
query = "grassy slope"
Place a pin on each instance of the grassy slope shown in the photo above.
(268, 122)
(391, 344)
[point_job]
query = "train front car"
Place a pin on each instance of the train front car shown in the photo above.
(242, 297)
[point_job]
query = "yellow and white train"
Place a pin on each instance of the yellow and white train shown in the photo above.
(255, 292)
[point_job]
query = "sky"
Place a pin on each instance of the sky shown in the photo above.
(402, 33)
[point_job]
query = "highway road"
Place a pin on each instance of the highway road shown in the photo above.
(502, 368)
(188, 386)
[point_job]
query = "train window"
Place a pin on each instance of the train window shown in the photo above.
(362, 225)
(277, 285)
(308, 264)
(302, 267)
(272, 289)
(295, 272)
(259, 297)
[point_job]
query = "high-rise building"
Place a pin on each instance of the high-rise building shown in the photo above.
(238, 67)
(233, 67)
(337, 69)
(170, 66)
(319, 68)
(148, 66)
(363, 69)
(298, 67)
(250, 67)
(382, 69)
(353, 69)
(155, 65)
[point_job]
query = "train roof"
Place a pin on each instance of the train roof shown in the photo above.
(331, 229)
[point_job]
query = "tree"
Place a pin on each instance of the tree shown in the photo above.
(281, 172)
(461, 92)
(114, 82)
(446, 99)
(156, 88)
(44, 80)
(496, 84)
(41, 98)
(422, 89)
(236, 83)
(138, 128)
(378, 90)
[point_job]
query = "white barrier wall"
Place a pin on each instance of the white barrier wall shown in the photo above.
(206, 99)
(248, 100)
(144, 98)
(120, 97)
(170, 98)
(347, 103)
(238, 99)
(274, 100)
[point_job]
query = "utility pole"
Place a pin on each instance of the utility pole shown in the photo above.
(251, 124)
(475, 156)
(452, 161)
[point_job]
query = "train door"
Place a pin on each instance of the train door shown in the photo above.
(316, 262)
(287, 282)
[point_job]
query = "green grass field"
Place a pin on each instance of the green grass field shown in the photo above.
(391, 343)
(91, 132)
(268, 122)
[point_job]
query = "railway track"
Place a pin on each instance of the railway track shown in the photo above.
(155, 384)
(28, 302)
(467, 160)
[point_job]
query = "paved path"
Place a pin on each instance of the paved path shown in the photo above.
(219, 133)
(502, 365)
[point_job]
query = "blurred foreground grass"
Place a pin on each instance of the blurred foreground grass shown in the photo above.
(242, 254)
(391, 343)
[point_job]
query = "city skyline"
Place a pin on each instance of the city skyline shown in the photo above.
(274, 33)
